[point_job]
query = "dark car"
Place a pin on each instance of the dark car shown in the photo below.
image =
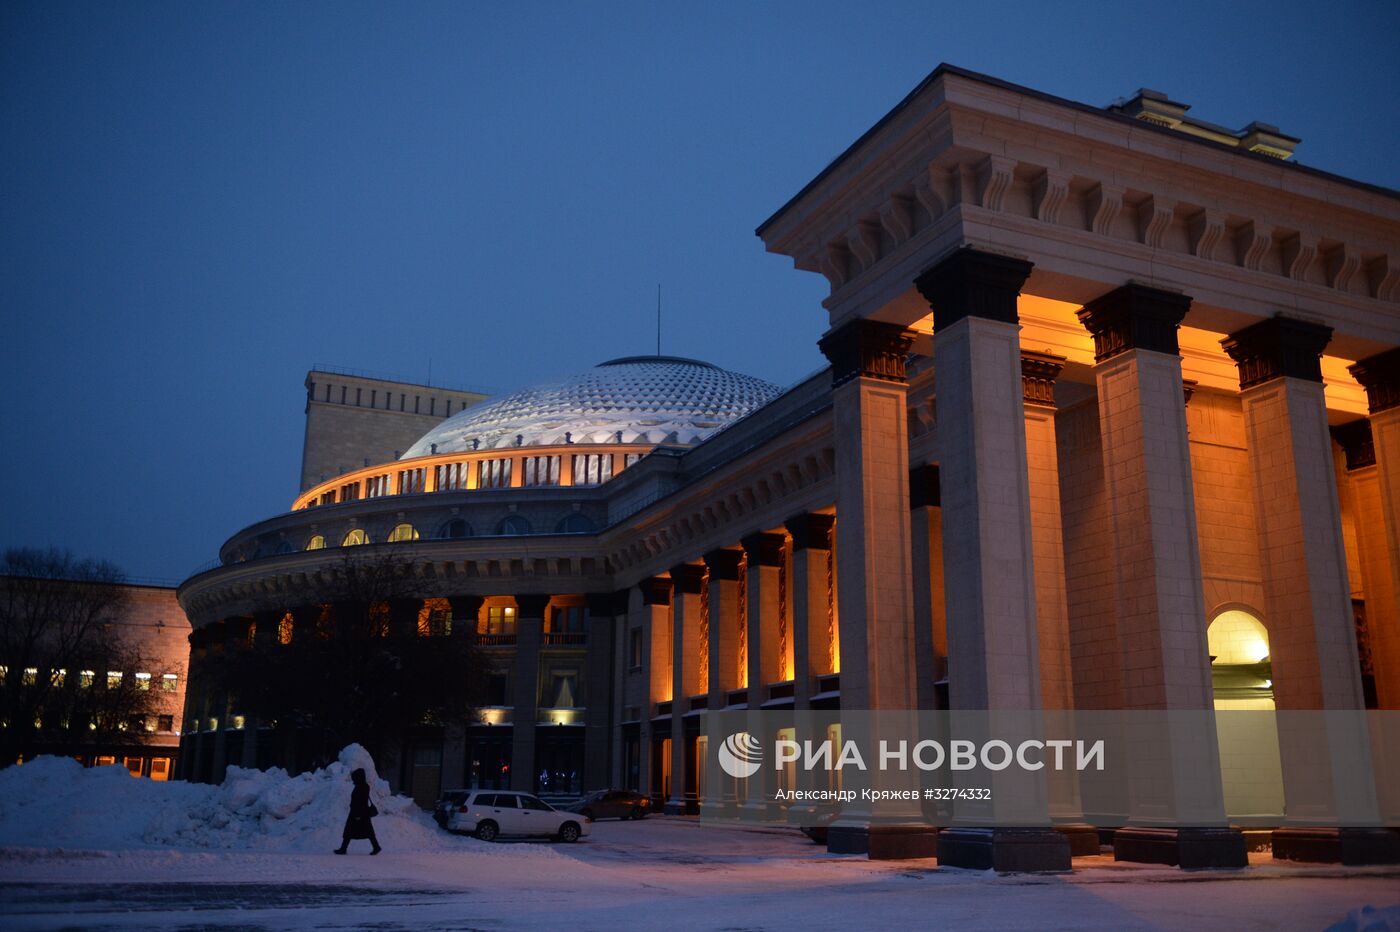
(613, 804)
(447, 804)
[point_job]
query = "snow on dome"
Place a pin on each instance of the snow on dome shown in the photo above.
(646, 399)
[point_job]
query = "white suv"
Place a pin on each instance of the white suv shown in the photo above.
(489, 814)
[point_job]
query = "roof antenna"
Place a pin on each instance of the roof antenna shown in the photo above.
(430, 370)
(658, 318)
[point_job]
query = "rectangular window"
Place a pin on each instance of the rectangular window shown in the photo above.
(133, 765)
(359, 393)
(495, 689)
(541, 470)
(160, 768)
(30, 677)
(374, 397)
(165, 723)
(634, 649)
(104, 760)
(169, 682)
(343, 389)
(592, 468)
(114, 679)
(401, 400)
(85, 678)
(143, 682)
(417, 400)
(500, 620)
(495, 474)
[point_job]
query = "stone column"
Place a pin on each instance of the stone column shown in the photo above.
(1158, 590)
(769, 641)
(813, 630)
(529, 633)
(930, 615)
(988, 565)
(874, 592)
(1381, 603)
(813, 614)
(1380, 375)
(1307, 596)
(726, 627)
(653, 614)
(1038, 374)
(598, 689)
(403, 617)
(686, 582)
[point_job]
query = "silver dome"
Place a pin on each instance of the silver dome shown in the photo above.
(645, 399)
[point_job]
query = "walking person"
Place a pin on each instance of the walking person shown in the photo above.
(358, 823)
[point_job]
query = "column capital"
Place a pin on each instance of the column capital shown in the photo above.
(973, 283)
(656, 590)
(1380, 376)
(687, 578)
(924, 488)
(724, 564)
(1277, 348)
(811, 530)
(1357, 443)
(466, 605)
(1134, 317)
(1038, 374)
(532, 605)
(764, 549)
(871, 349)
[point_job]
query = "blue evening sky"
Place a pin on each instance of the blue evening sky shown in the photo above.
(200, 201)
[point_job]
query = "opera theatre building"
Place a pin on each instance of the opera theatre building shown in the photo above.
(1109, 420)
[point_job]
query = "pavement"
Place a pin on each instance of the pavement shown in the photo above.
(659, 873)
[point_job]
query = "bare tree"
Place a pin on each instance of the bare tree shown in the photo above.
(357, 666)
(60, 644)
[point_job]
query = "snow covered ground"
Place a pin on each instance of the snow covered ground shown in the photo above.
(83, 849)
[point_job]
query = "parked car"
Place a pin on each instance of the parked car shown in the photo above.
(491, 814)
(447, 803)
(613, 804)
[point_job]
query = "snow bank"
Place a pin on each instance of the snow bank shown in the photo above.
(55, 802)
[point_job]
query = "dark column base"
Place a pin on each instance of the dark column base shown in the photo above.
(1351, 846)
(1004, 849)
(1188, 848)
(1083, 838)
(883, 842)
(685, 806)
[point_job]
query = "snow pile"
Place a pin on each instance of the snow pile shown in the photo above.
(55, 802)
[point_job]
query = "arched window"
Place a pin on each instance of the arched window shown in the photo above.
(455, 529)
(284, 629)
(284, 546)
(576, 524)
(513, 526)
(317, 543)
(403, 532)
(357, 536)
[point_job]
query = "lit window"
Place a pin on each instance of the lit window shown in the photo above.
(160, 767)
(114, 679)
(143, 681)
(317, 543)
(284, 629)
(238, 722)
(31, 676)
(354, 538)
(85, 678)
(403, 532)
(500, 620)
(169, 682)
(435, 618)
(60, 677)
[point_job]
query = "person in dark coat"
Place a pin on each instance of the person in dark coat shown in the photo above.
(358, 823)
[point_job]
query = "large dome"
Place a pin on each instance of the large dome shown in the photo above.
(647, 399)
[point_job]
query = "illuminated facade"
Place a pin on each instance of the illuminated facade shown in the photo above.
(1113, 392)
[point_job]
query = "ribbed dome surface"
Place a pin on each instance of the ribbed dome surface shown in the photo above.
(647, 399)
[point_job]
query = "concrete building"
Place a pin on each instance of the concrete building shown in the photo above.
(150, 632)
(1111, 421)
